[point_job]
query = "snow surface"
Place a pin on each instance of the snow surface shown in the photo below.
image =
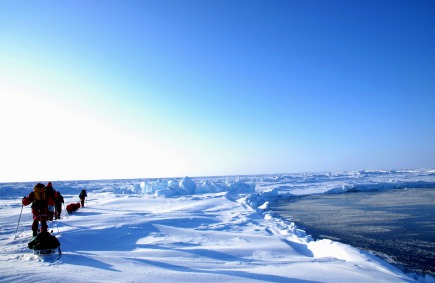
(210, 229)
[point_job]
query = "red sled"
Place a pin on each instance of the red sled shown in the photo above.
(70, 208)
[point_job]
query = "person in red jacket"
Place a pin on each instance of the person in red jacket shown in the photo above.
(39, 203)
(51, 201)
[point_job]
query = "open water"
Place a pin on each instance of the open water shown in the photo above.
(397, 225)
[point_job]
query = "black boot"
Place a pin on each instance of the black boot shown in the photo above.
(35, 227)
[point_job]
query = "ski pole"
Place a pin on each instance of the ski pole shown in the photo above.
(19, 219)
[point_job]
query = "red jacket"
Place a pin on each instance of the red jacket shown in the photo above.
(51, 201)
(29, 199)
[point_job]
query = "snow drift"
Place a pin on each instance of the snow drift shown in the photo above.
(209, 229)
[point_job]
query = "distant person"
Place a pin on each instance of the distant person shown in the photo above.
(82, 197)
(50, 201)
(58, 198)
(39, 202)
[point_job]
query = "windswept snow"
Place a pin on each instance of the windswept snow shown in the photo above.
(187, 230)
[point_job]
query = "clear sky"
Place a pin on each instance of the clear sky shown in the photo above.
(128, 89)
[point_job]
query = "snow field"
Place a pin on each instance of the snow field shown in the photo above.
(200, 238)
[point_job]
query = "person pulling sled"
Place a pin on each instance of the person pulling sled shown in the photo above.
(82, 197)
(38, 199)
(49, 191)
(42, 243)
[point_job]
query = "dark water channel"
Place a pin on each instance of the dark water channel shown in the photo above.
(396, 225)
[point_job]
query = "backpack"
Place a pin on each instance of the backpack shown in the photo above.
(39, 192)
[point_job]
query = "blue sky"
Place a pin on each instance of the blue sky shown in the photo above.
(111, 89)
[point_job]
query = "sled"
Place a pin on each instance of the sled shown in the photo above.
(51, 256)
(45, 251)
(44, 244)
